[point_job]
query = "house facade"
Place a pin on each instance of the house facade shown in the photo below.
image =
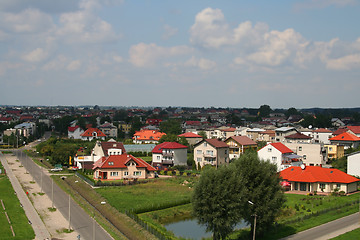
(191, 137)
(239, 145)
(280, 155)
(109, 130)
(281, 133)
(353, 164)
(334, 151)
(117, 167)
(211, 151)
(319, 179)
(168, 154)
(322, 135)
(75, 132)
(313, 154)
(92, 133)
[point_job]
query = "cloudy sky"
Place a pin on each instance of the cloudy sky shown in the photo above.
(180, 53)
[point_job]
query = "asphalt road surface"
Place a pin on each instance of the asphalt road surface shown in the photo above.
(80, 221)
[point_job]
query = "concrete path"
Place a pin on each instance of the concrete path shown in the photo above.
(39, 228)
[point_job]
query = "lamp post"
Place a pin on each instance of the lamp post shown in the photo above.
(254, 219)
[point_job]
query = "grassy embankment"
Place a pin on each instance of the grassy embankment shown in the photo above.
(353, 235)
(18, 219)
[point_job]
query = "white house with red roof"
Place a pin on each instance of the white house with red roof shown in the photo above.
(75, 132)
(322, 135)
(168, 154)
(280, 155)
(147, 136)
(117, 167)
(191, 137)
(211, 151)
(319, 179)
(92, 133)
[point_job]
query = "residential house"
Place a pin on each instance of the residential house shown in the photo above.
(239, 145)
(147, 136)
(24, 129)
(318, 179)
(211, 151)
(109, 130)
(125, 127)
(75, 132)
(254, 133)
(306, 131)
(346, 139)
(280, 155)
(298, 138)
(267, 136)
(336, 122)
(168, 154)
(334, 151)
(354, 130)
(353, 164)
(92, 133)
(322, 135)
(191, 137)
(117, 167)
(281, 133)
(312, 154)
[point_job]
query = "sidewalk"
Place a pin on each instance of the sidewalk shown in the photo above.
(39, 228)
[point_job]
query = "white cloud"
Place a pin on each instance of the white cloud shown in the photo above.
(56, 64)
(74, 65)
(27, 21)
(36, 55)
(169, 31)
(118, 59)
(344, 63)
(202, 63)
(145, 55)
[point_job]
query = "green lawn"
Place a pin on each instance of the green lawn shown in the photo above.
(159, 191)
(19, 221)
(353, 235)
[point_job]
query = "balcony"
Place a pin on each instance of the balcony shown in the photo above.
(168, 154)
(167, 162)
(209, 155)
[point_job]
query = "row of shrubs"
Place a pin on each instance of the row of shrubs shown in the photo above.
(175, 173)
(155, 207)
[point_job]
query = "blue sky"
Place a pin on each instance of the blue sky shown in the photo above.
(180, 53)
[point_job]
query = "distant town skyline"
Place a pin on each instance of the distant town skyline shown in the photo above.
(237, 54)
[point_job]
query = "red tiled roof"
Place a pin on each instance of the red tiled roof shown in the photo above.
(119, 161)
(297, 136)
(339, 131)
(216, 143)
(229, 130)
(167, 145)
(316, 174)
(190, 135)
(322, 130)
(72, 129)
(193, 122)
(89, 132)
(281, 147)
(243, 140)
(354, 129)
(148, 135)
(346, 136)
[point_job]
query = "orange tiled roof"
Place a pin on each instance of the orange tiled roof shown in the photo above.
(89, 133)
(316, 174)
(190, 135)
(120, 161)
(281, 147)
(148, 135)
(346, 136)
(322, 130)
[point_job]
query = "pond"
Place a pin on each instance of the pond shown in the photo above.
(191, 229)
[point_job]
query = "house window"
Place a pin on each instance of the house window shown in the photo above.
(225, 151)
(304, 156)
(114, 174)
(137, 173)
(111, 163)
(330, 149)
(205, 144)
(209, 152)
(198, 159)
(338, 185)
(269, 149)
(300, 148)
(322, 186)
(158, 157)
(198, 152)
(274, 159)
(226, 159)
(126, 173)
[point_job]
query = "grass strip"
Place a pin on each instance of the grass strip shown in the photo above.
(353, 235)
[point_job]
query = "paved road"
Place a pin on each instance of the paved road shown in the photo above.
(39, 228)
(329, 230)
(80, 221)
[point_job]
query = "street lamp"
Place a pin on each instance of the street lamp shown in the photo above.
(254, 219)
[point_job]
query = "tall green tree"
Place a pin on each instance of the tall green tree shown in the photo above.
(171, 126)
(214, 201)
(264, 111)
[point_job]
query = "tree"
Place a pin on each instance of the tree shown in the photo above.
(260, 185)
(170, 126)
(202, 134)
(264, 111)
(214, 203)
(221, 197)
(168, 138)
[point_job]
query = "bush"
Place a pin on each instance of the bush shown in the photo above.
(342, 193)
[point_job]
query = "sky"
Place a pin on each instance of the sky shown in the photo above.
(233, 53)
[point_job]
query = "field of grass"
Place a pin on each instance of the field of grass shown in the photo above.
(19, 221)
(159, 191)
(353, 235)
